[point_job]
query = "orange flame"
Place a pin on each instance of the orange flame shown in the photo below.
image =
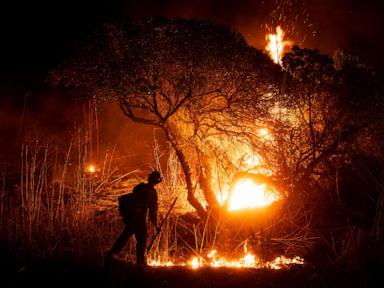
(90, 168)
(245, 193)
(276, 45)
(248, 194)
(248, 260)
(196, 262)
(158, 262)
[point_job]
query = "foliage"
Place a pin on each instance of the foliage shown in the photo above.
(210, 93)
(191, 78)
(328, 111)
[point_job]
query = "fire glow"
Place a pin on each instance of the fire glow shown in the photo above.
(251, 190)
(248, 194)
(90, 168)
(276, 45)
(248, 260)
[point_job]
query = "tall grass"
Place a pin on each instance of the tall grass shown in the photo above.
(57, 210)
(54, 210)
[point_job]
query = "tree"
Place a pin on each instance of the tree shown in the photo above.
(323, 118)
(190, 78)
(321, 108)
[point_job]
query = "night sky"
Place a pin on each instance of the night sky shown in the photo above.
(36, 35)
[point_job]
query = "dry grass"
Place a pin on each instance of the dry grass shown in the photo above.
(51, 211)
(59, 211)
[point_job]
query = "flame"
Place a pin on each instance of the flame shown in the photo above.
(196, 262)
(158, 262)
(90, 168)
(249, 194)
(264, 134)
(248, 260)
(244, 195)
(276, 45)
(282, 261)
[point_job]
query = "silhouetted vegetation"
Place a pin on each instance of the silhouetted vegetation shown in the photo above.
(211, 95)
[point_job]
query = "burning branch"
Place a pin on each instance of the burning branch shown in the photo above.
(276, 45)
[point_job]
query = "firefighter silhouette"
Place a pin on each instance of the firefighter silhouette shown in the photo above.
(134, 209)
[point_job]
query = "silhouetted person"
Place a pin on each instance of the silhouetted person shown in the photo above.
(134, 208)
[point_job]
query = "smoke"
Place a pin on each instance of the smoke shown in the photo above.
(9, 122)
(245, 16)
(132, 143)
(326, 25)
(58, 118)
(46, 117)
(52, 115)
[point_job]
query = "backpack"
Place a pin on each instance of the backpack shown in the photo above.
(126, 205)
(129, 205)
(139, 188)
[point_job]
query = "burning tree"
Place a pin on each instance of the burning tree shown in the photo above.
(234, 123)
(324, 113)
(322, 118)
(199, 82)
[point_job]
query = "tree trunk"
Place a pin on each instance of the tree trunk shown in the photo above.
(204, 180)
(187, 173)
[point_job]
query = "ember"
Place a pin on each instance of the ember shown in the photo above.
(248, 260)
(90, 168)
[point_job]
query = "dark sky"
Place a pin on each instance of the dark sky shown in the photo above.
(35, 35)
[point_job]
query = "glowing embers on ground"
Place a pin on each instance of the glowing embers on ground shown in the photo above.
(248, 260)
(249, 194)
(276, 45)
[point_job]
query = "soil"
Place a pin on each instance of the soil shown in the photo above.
(122, 274)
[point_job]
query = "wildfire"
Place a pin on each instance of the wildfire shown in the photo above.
(248, 194)
(248, 260)
(264, 134)
(248, 191)
(276, 45)
(196, 262)
(90, 168)
(158, 262)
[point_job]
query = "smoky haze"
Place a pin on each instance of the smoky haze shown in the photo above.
(325, 25)
(38, 35)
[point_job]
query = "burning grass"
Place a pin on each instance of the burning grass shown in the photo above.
(76, 220)
(248, 260)
(76, 216)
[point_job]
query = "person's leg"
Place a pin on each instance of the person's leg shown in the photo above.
(119, 244)
(141, 243)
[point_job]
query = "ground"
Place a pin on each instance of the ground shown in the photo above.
(122, 274)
